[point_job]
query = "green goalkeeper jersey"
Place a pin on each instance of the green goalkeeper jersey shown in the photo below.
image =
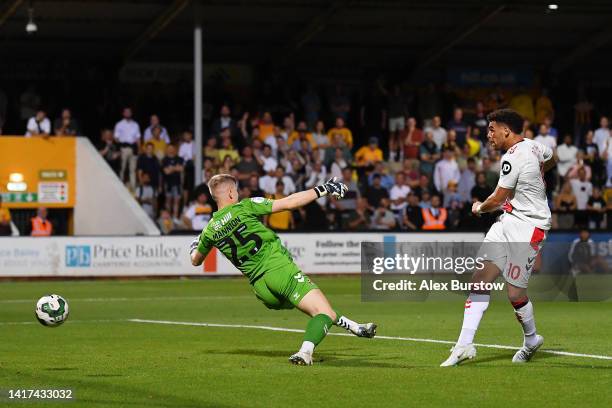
(238, 233)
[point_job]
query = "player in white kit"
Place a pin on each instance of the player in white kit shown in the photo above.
(512, 244)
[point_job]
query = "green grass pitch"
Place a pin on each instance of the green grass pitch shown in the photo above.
(110, 361)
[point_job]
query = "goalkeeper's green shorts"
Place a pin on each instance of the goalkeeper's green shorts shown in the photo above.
(283, 288)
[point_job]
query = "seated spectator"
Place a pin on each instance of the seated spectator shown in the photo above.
(109, 150)
(345, 134)
(461, 129)
(186, 152)
(446, 170)
(412, 137)
(480, 123)
(359, 218)
(546, 138)
(386, 181)
(172, 168)
(573, 171)
(425, 199)
(159, 144)
(318, 175)
(266, 160)
(268, 182)
(596, 206)
(153, 124)
(582, 189)
(66, 125)
(399, 193)
(210, 149)
(330, 153)
(265, 126)
(227, 165)
(146, 195)
(551, 129)
(368, 156)
(197, 216)
(298, 136)
(482, 190)
(412, 216)
(566, 153)
(38, 125)
(424, 186)
(148, 164)
(253, 186)
(453, 202)
(227, 149)
(288, 127)
(338, 164)
(166, 223)
(376, 191)
(429, 154)
(592, 158)
(321, 139)
(451, 143)
(5, 220)
(434, 218)
(411, 171)
(438, 133)
(224, 121)
(467, 180)
(383, 218)
(247, 165)
(40, 226)
(564, 206)
(283, 220)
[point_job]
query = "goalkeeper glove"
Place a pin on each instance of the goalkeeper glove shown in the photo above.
(194, 245)
(333, 186)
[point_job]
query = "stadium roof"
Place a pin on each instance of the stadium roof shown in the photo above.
(415, 33)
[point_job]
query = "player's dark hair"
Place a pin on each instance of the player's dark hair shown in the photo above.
(508, 117)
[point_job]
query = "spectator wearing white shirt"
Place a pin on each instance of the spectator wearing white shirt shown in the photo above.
(267, 161)
(318, 175)
(127, 134)
(198, 214)
(268, 182)
(446, 170)
(438, 133)
(154, 122)
(545, 138)
(38, 125)
(186, 152)
(602, 135)
(566, 154)
(582, 189)
(399, 193)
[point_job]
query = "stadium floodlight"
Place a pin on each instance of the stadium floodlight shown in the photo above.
(31, 27)
(16, 182)
(553, 6)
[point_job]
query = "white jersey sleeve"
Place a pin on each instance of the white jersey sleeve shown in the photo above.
(510, 169)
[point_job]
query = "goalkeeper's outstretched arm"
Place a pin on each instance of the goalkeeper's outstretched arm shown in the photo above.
(333, 187)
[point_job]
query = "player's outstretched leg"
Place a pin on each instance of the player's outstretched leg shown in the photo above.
(523, 309)
(360, 330)
(475, 307)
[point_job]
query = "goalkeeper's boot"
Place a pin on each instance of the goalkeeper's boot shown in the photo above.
(525, 353)
(366, 330)
(460, 353)
(301, 358)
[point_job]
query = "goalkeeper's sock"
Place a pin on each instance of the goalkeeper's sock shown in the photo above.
(346, 323)
(475, 306)
(316, 330)
(523, 309)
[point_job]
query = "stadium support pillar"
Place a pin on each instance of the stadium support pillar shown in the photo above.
(197, 95)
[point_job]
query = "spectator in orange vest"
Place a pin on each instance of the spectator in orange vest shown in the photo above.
(41, 226)
(434, 217)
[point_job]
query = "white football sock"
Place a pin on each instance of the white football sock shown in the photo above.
(347, 324)
(525, 316)
(307, 347)
(475, 306)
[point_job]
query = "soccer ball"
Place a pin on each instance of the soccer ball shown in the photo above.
(51, 310)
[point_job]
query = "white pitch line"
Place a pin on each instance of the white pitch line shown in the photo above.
(283, 329)
(130, 299)
(67, 321)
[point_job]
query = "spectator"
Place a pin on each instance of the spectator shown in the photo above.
(146, 195)
(109, 150)
(453, 204)
(351, 196)
(346, 136)
(321, 139)
(383, 219)
(148, 164)
(564, 206)
(154, 123)
(280, 221)
(253, 186)
(592, 159)
(582, 189)
(66, 125)
(424, 186)
(602, 135)
(268, 182)
(186, 152)
(165, 222)
(38, 125)
(413, 216)
(330, 153)
(224, 121)
(197, 216)
(596, 206)
(296, 138)
(551, 129)
(411, 139)
(158, 142)
(482, 189)
(572, 173)
(429, 154)
(311, 103)
(399, 194)
(127, 134)
(438, 133)
(546, 138)
(210, 149)
(172, 168)
(425, 199)
(359, 218)
(339, 163)
(461, 128)
(5, 220)
(265, 126)
(368, 156)
(227, 149)
(566, 154)
(247, 165)
(340, 104)
(491, 173)
(376, 191)
(467, 180)
(451, 143)
(266, 160)
(434, 218)
(40, 225)
(446, 170)
(480, 123)
(318, 175)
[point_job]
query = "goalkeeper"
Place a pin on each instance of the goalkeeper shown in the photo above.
(235, 229)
